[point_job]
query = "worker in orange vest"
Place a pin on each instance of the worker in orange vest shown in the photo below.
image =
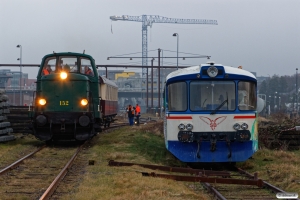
(137, 113)
(46, 70)
(88, 71)
(130, 112)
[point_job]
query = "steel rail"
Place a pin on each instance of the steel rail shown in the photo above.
(216, 193)
(172, 169)
(257, 182)
(50, 190)
(265, 184)
(18, 162)
(114, 126)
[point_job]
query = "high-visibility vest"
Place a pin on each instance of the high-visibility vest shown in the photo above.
(45, 72)
(138, 109)
(88, 72)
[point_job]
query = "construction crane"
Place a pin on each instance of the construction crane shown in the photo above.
(148, 20)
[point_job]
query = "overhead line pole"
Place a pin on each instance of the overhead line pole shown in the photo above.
(159, 79)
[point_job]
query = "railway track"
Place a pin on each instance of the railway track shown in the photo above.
(37, 175)
(246, 192)
(237, 184)
(46, 173)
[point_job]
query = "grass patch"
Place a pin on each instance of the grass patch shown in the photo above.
(280, 168)
(127, 143)
(12, 150)
(130, 144)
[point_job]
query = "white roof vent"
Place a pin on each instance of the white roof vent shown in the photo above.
(210, 62)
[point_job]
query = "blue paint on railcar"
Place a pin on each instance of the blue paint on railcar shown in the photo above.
(187, 152)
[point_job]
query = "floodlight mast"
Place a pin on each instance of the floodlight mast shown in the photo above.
(148, 20)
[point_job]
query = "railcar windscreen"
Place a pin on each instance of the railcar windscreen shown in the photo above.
(208, 95)
(247, 95)
(177, 96)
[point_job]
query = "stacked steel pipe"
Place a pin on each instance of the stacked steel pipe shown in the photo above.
(5, 128)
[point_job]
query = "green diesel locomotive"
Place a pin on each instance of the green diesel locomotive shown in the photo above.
(71, 100)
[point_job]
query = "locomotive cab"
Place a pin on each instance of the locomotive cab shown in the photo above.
(67, 98)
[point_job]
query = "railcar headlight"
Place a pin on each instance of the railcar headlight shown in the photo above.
(236, 126)
(189, 127)
(42, 102)
(84, 102)
(181, 127)
(244, 126)
(212, 71)
(63, 75)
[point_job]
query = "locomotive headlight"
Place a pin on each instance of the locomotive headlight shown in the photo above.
(42, 102)
(189, 127)
(84, 102)
(181, 127)
(212, 71)
(63, 75)
(236, 126)
(244, 126)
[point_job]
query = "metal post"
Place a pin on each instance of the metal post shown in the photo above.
(147, 90)
(176, 34)
(177, 48)
(159, 78)
(20, 46)
(152, 83)
(296, 91)
(14, 97)
(275, 106)
(270, 104)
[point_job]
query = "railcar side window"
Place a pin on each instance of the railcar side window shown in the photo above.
(208, 95)
(246, 96)
(177, 96)
(48, 67)
(86, 67)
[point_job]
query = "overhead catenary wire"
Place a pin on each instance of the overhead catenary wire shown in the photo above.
(132, 53)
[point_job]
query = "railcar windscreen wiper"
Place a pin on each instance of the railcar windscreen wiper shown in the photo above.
(220, 106)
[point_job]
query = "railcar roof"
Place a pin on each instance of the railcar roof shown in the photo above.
(197, 69)
(107, 81)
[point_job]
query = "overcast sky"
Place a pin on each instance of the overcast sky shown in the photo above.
(261, 35)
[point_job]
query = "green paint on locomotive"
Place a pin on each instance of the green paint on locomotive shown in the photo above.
(63, 113)
(64, 96)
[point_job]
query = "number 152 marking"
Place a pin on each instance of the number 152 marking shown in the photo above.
(63, 103)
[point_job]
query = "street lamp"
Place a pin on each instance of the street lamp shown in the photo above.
(20, 46)
(177, 35)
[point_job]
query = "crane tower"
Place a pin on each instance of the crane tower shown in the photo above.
(148, 20)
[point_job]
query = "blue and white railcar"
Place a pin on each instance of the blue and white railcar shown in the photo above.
(210, 114)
